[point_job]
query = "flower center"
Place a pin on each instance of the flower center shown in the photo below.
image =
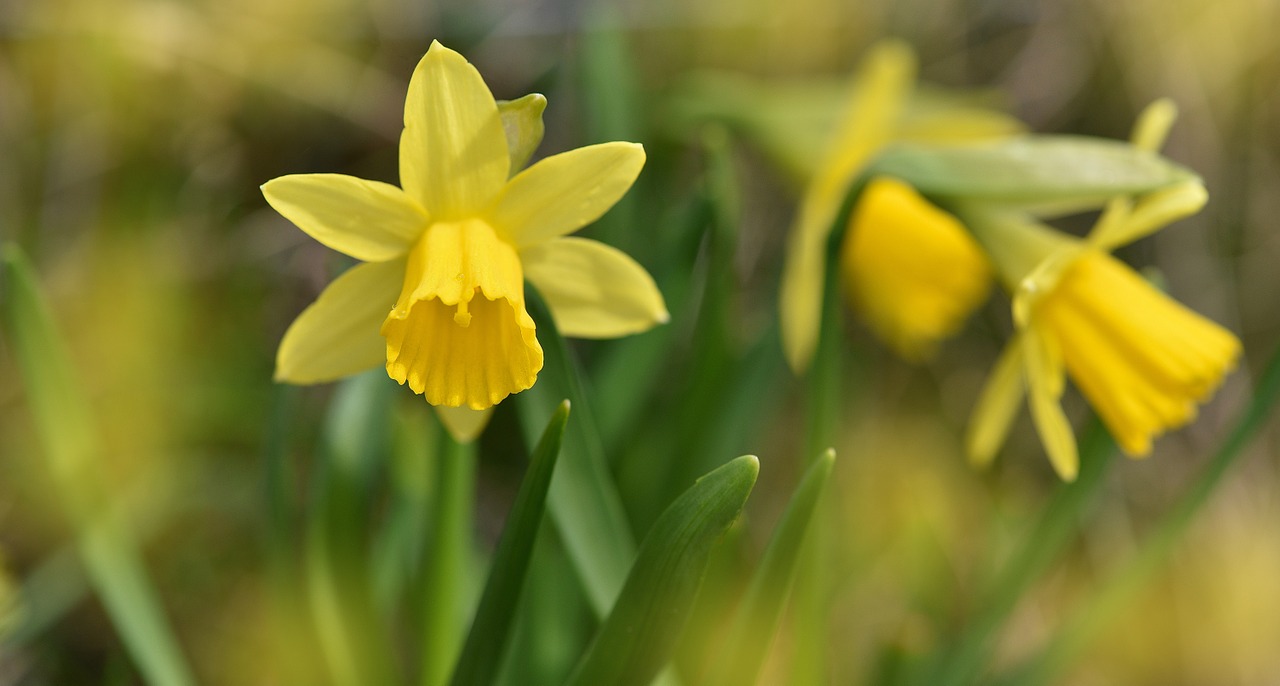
(459, 333)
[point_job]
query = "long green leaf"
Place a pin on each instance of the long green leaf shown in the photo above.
(640, 633)
(482, 652)
(1044, 173)
(64, 422)
(744, 650)
(584, 501)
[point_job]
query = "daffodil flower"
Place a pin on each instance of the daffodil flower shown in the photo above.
(439, 296)
(1141, 359)
(879, 113)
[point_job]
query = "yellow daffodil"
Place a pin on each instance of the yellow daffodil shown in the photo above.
(913, 271)
(439, 296)
(880, 238)
(1141, 359)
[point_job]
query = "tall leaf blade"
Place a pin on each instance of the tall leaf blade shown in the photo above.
(583, 501)
(482, 652)
(744, 650)
(638, 637)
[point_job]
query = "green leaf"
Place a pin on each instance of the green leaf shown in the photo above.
(640, 633)
(1044, 174)
(744, 651)
(584, 501)
(522, 122)
(64, 422)
(493, 619)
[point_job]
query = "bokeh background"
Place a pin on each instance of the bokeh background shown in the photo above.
(134, 135)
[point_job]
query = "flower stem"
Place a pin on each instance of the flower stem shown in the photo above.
(444, 600)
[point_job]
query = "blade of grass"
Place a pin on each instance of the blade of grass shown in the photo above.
(64, 422)
(637, 638)
(756, 620)
(1082, 627)
(482, 653)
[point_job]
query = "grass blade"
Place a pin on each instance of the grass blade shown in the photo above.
(482, 652)
(637, 639)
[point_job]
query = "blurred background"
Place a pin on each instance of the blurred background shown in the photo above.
(134, 135)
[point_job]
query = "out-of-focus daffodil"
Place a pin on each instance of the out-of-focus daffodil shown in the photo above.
(439, 297)
(877, 114)
(1141, 359)
(913, 271)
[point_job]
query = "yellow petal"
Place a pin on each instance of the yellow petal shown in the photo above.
(368, 220)
(522, 121)
(562, 193)
(1154, 124)
(459, 333)
(338, 334)
(453, 151)
(997, 406)
(912, 270)
(800, 298)
(593, 290)
(463, 423)
(883, 84)
(1045, 382)
(1148, 215)
(1121, 222)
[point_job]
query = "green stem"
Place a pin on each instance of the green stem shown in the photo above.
(1082, 627)
(445, 604)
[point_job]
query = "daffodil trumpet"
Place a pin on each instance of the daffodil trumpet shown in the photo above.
(439, 296)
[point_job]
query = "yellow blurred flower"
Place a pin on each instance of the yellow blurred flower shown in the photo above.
(913, 271)
(1141, 359)
(879, 113)
(439, 297)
